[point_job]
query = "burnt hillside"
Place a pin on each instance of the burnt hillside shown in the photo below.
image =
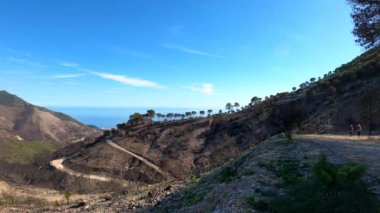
(195, 145)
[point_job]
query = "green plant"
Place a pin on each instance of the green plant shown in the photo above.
(12, 201)
(228, 174)
(248, 171)
(288, 170)
(267, 164)
(56, 203)
(258, 204)
(195, 198)
(285, 167)
(67, 196)
(331, 188)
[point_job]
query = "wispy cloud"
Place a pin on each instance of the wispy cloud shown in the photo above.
(15, 52)
(137, 82)
(69, 64)
(77, 75)
(25, 62)
(205, 88)
(191, 51)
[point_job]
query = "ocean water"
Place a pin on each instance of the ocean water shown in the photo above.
(103, 117)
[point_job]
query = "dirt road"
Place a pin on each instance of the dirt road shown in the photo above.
(348, 149)
(144, 160)
(58, 164)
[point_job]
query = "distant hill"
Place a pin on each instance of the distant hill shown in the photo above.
(22, 121)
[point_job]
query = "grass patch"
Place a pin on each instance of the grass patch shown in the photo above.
(248, 171)
(195, 198)
(258, 204)
(285, 167)
(24, 152)
(288, 170)
(8, 201)
(199, 189)
(270, 165)
(228, 174)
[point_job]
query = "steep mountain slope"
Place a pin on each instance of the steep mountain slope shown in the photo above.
(21, 121)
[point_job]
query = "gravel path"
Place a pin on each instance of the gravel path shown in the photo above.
(58, 164)
(348, 149)
(144, 160)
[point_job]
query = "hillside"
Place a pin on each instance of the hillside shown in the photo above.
(219, 162)
(42, 129)
(258, 180)
(195, 145)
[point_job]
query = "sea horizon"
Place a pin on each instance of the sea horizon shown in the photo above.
(109, 117)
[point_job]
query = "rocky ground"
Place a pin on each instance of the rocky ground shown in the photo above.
(263, 172)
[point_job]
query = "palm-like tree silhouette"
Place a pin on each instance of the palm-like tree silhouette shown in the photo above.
(229, 107)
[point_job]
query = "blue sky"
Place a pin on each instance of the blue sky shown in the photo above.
(168, 53)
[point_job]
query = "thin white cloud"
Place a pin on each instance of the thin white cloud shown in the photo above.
(205, 88)
(137, 82)
(192, 51)
(86, 70)
(25, 62)
(69, 64)
(15, 52)
(77, 75)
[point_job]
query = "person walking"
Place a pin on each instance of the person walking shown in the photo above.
(359, 129)
(351, 129)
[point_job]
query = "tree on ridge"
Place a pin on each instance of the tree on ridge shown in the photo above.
(229, 107)
(365, 14)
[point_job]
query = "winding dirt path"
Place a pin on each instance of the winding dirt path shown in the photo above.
(144, 160)
(58, 164)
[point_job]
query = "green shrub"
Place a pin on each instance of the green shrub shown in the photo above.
(267, 164)
(194, 199)
(228, 174)
(67, 196)
(330, 189)
(288, 170)
(258, 204)
(12, 201)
